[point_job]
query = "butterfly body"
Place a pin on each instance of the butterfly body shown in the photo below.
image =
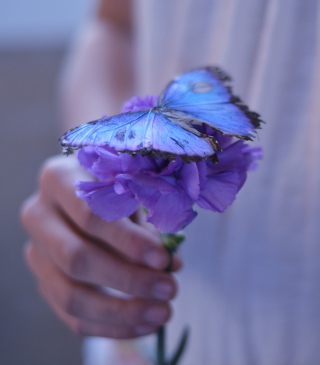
(198, 97)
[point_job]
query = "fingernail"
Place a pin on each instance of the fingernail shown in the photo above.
(156, 315)
(155, 259)
(143, 330)
(163, 290)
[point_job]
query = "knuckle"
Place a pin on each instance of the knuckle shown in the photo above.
(49, 169)
(79, 328)
(89, 221)
(53, 173)
(130, 243)
(135, 312)
(121, 332)
(127, 238)
(140, 282)
(146, 283)
(154, 313)
(29, 210)
(120, 315)
(71, 303)
(75, 260)
(129, 282)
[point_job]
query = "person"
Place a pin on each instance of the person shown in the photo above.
(250, 287)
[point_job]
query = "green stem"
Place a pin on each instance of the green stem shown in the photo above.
(171, 243)
(161, 346)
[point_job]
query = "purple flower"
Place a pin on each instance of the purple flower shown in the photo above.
(167, 189)
(138, 103)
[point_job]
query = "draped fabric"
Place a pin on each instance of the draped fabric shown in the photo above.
(250, 288)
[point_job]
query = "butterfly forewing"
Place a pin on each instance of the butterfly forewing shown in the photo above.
(144, 132)
(123, 131)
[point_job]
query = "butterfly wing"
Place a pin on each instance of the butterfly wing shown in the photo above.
(205, 96)
(118, 131)
(169, 140)
(144, 132)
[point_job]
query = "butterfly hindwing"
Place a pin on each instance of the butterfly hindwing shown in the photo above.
(171, 138)
(204, 94)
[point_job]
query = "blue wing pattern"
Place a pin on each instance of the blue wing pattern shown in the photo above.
(197, 97)
(205, 94)
(143, 132)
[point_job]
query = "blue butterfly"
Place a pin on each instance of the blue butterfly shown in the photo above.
(198, 97)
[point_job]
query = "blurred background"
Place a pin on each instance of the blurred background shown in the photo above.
(34, 38)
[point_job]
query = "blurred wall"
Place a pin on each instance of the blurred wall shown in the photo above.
(34, 36)
(36, 23)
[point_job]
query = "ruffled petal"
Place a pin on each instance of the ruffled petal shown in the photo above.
(229, 158)
(105, 202)
(133, 164)
(169, 212)
(172, 212)
(172, 167)
(147, 197)
(87, 157)
(105, 169)
(189, 180)
(138, 103)
(252, 155)
(202, 170)
(220, 191)
(148, 181)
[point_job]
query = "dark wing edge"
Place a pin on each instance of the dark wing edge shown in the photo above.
(67, 148)
(67, 145)
(225, 79)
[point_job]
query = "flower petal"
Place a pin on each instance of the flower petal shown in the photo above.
(189, 180)
(252, 154)
(139, 103)
(172, 167)
(107, 164)
(133, 164)
(202, 169)
(148, 181)
(87, 157)
(147, 197)
(172, 213)
(169, 212)
(220, 191)
(229, 158)
(105, 202)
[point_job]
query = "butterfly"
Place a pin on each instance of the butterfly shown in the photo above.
(196, 98)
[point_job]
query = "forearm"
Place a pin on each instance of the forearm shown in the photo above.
(98, 75)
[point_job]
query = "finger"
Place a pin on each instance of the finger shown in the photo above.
(87, 328)
(89, 303)
(90, 263)
(132, 240)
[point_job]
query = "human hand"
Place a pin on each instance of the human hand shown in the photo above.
(75, 255)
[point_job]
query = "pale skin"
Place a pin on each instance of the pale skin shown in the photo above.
(74, 255)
